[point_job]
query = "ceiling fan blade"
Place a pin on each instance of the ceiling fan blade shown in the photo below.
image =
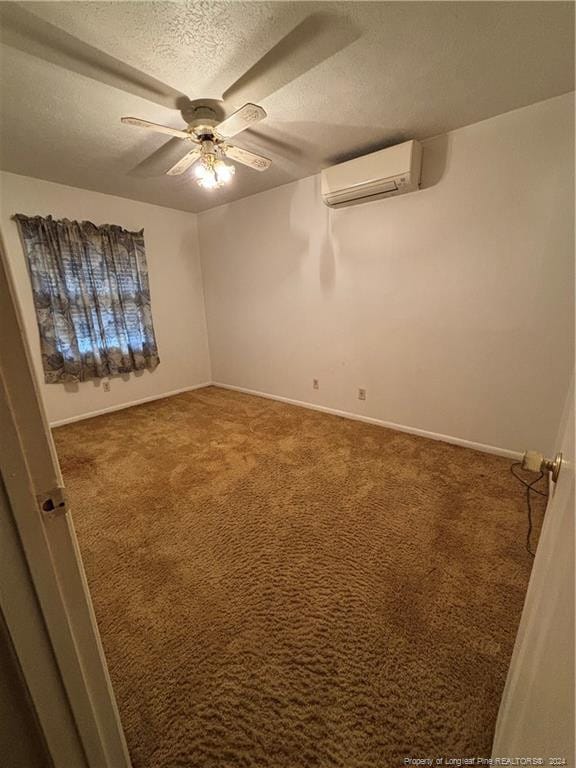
(154, 127)
(257, 162)
(185, 163)
(155, 165)
(312, 41)
(25, 31)
(240, 120)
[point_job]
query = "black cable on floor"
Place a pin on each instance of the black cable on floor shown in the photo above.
(529, 489)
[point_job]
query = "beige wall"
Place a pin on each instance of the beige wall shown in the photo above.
(452, 306)
(175, 285)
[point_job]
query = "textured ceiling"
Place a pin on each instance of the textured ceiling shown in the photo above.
(336, 79)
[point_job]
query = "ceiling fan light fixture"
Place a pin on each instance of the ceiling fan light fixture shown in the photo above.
(212, 173)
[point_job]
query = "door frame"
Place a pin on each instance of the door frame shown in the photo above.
(54, 629)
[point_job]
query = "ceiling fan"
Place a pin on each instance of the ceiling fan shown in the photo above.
(211, 147)
(313, 40)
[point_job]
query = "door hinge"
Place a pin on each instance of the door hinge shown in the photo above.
(53, 503)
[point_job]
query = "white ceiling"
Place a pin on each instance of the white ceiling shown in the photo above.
(351, 78)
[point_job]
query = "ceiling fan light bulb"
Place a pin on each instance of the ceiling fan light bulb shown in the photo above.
(208, 180)
(204, 168)
(224, 172)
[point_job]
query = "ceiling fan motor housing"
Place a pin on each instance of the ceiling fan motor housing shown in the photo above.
(200, 117)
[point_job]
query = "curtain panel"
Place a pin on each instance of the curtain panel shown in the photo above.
(92, 298)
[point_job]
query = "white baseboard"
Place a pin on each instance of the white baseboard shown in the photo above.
(121, 406)
(495, 450)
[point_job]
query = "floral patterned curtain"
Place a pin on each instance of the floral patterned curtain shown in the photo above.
(92, 299)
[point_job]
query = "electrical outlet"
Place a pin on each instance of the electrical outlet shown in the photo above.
(361, 394)
(106, 386)
(315, 384)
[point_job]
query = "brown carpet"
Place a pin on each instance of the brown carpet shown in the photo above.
(279, 588)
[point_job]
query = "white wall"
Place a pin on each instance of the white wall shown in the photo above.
(175, 286)
(452, 306)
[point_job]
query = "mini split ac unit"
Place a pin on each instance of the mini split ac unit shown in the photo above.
(386, 173)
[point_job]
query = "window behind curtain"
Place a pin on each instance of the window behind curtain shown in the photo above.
(92, 298)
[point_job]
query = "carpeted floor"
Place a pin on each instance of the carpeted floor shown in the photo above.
(279, 588)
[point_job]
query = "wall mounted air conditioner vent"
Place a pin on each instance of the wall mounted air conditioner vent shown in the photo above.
(389, 172)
